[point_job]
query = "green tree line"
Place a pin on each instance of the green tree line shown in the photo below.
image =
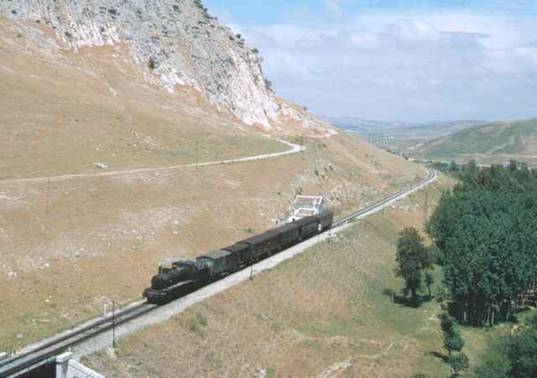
(486, 231)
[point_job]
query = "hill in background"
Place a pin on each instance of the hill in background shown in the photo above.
(400, 137)
(491, 143)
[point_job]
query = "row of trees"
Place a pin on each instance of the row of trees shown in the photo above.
(414, 262)
(485, 229)
(485, 236)
(453, 343)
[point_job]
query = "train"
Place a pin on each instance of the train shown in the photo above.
(185, 276)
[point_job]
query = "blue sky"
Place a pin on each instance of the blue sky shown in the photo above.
(396, 60)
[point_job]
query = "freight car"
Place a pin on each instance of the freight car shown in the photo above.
(187, 276)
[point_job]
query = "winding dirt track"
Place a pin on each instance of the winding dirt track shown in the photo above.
(295, 149)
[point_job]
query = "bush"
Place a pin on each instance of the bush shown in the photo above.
(197, 323)
(459, 363)
(453, 342)
(512, 356)
(152, 64)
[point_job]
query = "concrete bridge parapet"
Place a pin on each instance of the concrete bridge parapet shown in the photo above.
(66, 367)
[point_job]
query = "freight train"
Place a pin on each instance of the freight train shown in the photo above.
(185, 277)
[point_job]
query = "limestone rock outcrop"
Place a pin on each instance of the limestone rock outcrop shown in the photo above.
(178, 44)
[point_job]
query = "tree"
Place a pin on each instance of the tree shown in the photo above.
(513, 166)
(429, 280)
(523, 353)
(458, 362)
(485, 231)
(453, 341)
(514, 355)
(412, 259)
(446, 322)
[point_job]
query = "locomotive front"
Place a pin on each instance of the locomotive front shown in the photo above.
(168, 278)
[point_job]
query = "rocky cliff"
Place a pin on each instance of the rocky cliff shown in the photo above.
(177, 45)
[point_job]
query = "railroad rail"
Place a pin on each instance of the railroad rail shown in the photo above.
(47, 351)
(431, 175)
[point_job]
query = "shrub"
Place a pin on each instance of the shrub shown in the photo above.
(152, 64)
(458, 362)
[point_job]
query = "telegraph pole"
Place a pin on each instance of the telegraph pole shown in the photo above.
(48, 193)
(114, 325)
(197, 154)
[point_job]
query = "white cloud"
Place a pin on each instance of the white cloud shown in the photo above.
(406, 66)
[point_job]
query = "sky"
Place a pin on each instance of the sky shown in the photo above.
(395, 60)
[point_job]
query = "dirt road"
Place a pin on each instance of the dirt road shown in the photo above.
(295, 148)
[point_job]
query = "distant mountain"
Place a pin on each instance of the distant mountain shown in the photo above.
(493, 142)
(364, 126)
(400, 130)
(432, 130)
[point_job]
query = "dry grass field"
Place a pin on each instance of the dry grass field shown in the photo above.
(321, 314)
(103, 237)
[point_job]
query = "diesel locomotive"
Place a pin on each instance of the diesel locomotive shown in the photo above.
(184, 277)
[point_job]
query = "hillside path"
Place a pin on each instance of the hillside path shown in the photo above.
(295, 148)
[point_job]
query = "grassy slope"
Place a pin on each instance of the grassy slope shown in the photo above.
(323, 312)
(59, 117)
(103, 237)
(488, 143)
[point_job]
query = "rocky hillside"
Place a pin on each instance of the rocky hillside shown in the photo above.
(176, 45)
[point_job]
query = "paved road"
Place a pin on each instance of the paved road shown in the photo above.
(295, 148)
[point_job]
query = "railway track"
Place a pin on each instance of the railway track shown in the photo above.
(50, 348)
(431, 175)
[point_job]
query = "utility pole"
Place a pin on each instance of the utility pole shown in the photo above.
(197, 154)
(48, 193)
(114, 325)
